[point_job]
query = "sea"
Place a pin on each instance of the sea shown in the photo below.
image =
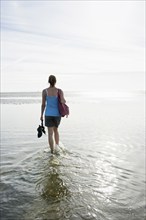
(99, 173)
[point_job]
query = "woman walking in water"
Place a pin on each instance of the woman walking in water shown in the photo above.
(52, 115)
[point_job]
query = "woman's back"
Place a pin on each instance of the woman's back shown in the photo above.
(52, 102)
(52, 91)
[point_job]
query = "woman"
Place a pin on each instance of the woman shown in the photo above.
(52, 115)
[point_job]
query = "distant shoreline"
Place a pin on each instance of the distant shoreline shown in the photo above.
(36, 93)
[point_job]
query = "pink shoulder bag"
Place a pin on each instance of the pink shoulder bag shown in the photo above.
(63, 108)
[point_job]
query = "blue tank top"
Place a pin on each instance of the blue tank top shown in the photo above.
(52, 106)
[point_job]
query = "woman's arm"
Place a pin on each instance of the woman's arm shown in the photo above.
(43, 104)
(62, 97)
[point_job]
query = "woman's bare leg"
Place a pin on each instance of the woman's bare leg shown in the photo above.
(56, 135)
(50, 138)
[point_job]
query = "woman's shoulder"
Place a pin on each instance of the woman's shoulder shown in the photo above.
(44, 91)
(60, 90)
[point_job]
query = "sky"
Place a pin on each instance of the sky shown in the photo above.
(85, 44)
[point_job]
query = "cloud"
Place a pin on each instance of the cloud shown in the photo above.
(72, 37)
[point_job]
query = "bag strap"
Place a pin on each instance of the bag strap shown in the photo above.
(59, 92)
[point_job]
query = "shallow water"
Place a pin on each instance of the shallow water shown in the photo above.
(99, 175)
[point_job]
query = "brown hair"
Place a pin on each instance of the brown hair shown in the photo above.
(52, 80)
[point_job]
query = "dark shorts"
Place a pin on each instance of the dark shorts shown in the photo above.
(52, 121)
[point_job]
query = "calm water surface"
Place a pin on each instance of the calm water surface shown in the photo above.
(99, 173)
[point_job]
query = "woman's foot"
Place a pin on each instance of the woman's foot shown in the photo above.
(57, 149)
(52, 150)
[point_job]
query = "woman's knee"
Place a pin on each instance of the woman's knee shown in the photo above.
(50, 131)
(55, 130)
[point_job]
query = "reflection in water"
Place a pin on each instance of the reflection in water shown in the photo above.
(53, 193)
(54, 187)
(51, 186)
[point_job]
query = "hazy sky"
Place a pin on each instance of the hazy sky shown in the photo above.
(86, 44)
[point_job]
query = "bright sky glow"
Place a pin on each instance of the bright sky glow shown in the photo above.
(85, 44)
